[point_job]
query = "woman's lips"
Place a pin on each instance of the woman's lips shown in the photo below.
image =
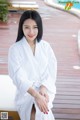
(31, 36)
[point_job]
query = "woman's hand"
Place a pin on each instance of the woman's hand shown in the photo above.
(42, 104)
(43, 92)
(40, 100)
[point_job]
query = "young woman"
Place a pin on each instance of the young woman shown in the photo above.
(32, 66)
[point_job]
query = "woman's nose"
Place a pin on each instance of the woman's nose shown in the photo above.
(31, 31)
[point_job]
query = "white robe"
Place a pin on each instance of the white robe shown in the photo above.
(28, 70)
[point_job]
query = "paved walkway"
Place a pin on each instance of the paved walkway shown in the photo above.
(61, 31)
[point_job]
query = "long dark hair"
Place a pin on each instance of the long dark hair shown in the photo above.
(34, 15)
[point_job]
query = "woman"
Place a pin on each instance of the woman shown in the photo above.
(32, 66)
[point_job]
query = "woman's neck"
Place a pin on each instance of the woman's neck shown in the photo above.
(32, 45)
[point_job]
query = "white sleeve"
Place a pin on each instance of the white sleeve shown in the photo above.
(17, 72)
(49, 77)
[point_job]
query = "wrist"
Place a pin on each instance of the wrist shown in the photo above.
(33, 92)
(36, 94)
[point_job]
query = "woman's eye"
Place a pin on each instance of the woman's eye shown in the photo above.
(26, 27)
(36, 27)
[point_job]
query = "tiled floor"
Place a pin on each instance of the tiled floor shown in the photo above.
(60, 30)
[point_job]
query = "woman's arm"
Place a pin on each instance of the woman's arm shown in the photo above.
(50, 73)
(16, 71)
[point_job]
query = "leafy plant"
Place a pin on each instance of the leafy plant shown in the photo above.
(4, 10)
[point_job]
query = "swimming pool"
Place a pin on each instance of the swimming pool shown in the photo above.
(76, 3)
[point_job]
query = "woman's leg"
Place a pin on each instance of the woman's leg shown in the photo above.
(25, 109)
(33, 111)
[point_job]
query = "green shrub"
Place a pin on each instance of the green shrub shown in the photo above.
(4, 10)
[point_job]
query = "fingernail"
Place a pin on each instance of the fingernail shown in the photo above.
(46, 112)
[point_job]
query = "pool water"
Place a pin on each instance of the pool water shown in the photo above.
(76, 3)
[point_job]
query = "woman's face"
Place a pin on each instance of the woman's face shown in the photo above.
(30, 30)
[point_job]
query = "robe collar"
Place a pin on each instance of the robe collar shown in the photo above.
(38, 61)
(28, 46)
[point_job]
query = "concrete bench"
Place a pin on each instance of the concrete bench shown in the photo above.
(23, 5)
(7, 96)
